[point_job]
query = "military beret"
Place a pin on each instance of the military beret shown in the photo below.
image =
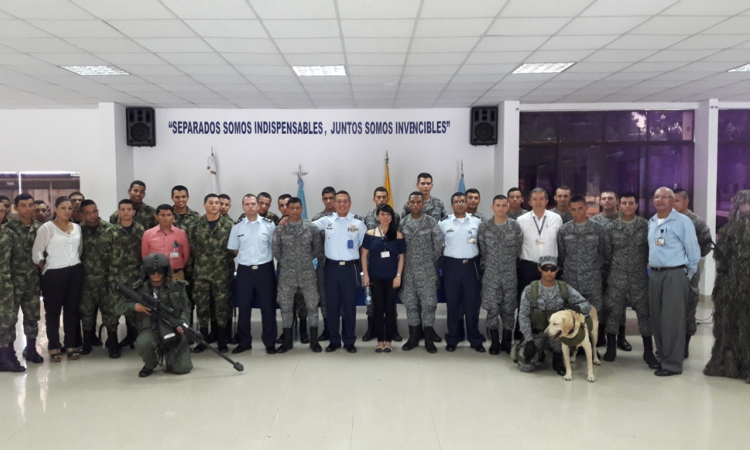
(548, 261)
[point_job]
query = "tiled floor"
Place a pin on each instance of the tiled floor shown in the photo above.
(412, 400)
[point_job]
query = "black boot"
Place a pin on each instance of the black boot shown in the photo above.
(97, 340)
(8, 361)
(213, 335)
(88, 337)
(30, 353)
(113, 348)
(304, 338)
(325, 335)
(558, 365)
(369, 335)
(200, 348)
(231, 337)
(648, 353)
(495, 346)
(221, 340)
(601, 340)
(397, 337)
(687, 345)
(413, 341)
(623, 343)
(287, 344)
(314, 344)
(507, 343)
(429, 340)
(611, 353)
(129, 340)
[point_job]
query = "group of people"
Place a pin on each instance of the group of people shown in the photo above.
(520, 266)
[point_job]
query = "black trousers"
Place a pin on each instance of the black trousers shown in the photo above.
(62, 291)
(342, 284)
(384, 298)
(528, 271)
(258, 284)
(461, 280)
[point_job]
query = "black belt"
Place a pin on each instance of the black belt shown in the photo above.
(661, 269)
(350, 262)
(176, 270)
(464, 261)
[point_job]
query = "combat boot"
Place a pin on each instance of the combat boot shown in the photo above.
(648, 353)
(611, 352)
(221, 340)
(602, 339)
(623, 343)
(200, 348)
(397, 336)
(507, 343)
(129, 340)
(231, 337)
(288, 343)
(495, 346)
(212, 336)
(14, 359)
(429, 340)
(96, 341)
(314, 344)
(304, 338)
(325, 335)
(558, 365)
(30, 353)
(7, 364)
(687, 345)
(113, 348)
(88, 337)
(413, 341)
(369, 335)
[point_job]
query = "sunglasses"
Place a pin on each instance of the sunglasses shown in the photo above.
(549, 268)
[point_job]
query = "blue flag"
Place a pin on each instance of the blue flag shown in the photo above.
(301, 196)
(461, 186)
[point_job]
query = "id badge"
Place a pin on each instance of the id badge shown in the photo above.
(350, 243)
(471, 240)
(540, 241)
(385, 254)
(660, 242)
(174, 254)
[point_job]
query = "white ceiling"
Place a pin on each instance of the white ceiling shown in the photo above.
(397, 53)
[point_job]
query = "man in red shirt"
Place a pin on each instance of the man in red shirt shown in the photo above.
(168, 240)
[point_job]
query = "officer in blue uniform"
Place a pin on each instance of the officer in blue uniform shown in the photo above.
(344, 234)
(461, 274)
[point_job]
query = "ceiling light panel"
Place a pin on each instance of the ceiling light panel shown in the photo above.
(95, 70)
(320, 71)
(542, 68)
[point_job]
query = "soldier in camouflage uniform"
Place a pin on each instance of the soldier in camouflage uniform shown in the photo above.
(424, 241)
(144, 214)
(97, 259)
(182, 213)
(295, 246)
(208, 238)
(562, 198)
(26, 275)
(500, 242)
(705, 241)
(433, 207)
(550, 298)
(515, 199)
(10, 262)
(626, 247)
(329, 195)
(473, 198)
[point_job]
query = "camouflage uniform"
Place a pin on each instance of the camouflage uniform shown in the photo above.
(626, 247)
(172, 294)
(209, 262)
(10, 263)
(479, 216)
(26, 279)
(566, 216)
(295, 245)
(580, 253)
(705, 240)
(145, 215)
(433, 207)
(126, 266)
(499, 247)
(320, 273)
(515, 216)
(97, 260)
(604, 220)
(182, 221)
(424, 240)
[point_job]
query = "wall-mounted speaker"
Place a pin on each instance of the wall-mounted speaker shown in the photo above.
(483, 125)
(141, 126)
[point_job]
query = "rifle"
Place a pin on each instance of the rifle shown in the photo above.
(166, 315)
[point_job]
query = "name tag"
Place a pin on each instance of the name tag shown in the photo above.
(174, 254)
(471, 240)
(660, 242)
(350, 243)
(385, 254)
(540, 241)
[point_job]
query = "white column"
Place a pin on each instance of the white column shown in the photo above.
(706, 169)
(116, 157)
(506, 150)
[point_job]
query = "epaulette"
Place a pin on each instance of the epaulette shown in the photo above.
(267, 219)
(359, 217)
(238, 220)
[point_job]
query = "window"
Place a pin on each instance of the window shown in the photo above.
(45, 186)
(733, 160)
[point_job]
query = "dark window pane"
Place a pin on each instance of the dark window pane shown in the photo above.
(670, 166)
(623, 169)
(625, 126)
(538, 168)
(538, 127)
(670, 125)
(734, 175)
(580, 168)
(581, 126)
(734, 125)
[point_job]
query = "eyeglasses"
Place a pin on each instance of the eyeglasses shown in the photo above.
(460, 202)
(549, 268)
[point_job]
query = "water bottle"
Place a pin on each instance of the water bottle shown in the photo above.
(368, 296)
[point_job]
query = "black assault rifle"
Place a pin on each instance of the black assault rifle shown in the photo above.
(166, 315)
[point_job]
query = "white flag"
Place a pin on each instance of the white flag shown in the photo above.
(213, 176)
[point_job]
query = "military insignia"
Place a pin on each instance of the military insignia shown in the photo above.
(358, 217)
(352, 229)
(267, 219)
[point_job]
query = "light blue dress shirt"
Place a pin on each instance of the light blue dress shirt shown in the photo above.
(253, 241)
(680, 246)
(339, 231)
(460, 236)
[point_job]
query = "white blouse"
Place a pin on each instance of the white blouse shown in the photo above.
(63, 249)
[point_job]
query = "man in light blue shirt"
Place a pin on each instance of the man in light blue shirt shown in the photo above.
(344, 234)
(251, 240)
(673, 255)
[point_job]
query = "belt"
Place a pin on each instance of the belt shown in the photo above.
(176, 270)
(464, 261)
(351, 262)
(661, 269)
(256, 266)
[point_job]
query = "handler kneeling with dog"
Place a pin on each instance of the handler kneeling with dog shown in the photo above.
(539, 301)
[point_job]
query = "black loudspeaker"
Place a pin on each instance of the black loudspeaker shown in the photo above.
(483, 125)
(141, 126)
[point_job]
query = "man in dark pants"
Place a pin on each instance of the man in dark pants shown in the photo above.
(673, 256)
(251, 240)
(344, 234)
(461, 274)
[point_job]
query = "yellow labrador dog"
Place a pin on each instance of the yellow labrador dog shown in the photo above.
(575, 330)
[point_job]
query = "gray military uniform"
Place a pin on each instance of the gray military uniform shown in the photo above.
(580, 253)
(294, 246)
(424, 242)
(320, 272)
(705, 241)
(515, 216)
(433, 207)
(566, 216)
(499, 248)
(626, 247)
(479, 216)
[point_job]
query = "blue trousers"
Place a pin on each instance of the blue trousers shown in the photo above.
(342, 285)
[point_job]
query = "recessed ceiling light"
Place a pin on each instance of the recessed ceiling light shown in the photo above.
(543, 67)
(745, 68)
(95, 70)
(319, 71)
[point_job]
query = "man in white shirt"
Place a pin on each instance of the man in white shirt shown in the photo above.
(539, 230)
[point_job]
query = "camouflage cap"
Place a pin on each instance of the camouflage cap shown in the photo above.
(548, 261)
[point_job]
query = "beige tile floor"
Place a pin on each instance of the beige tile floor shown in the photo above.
(413, 400)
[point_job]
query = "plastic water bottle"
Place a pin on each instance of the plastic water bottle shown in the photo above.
(368, 296)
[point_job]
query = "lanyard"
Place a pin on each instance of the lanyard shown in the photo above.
(385, 246)
(540, 228)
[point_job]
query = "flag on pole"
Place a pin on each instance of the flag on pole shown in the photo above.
(387, 183)
(301, 191)
(213, 176)
(461, 185)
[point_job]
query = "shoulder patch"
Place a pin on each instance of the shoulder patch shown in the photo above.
(359, 217)
(267, 219)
